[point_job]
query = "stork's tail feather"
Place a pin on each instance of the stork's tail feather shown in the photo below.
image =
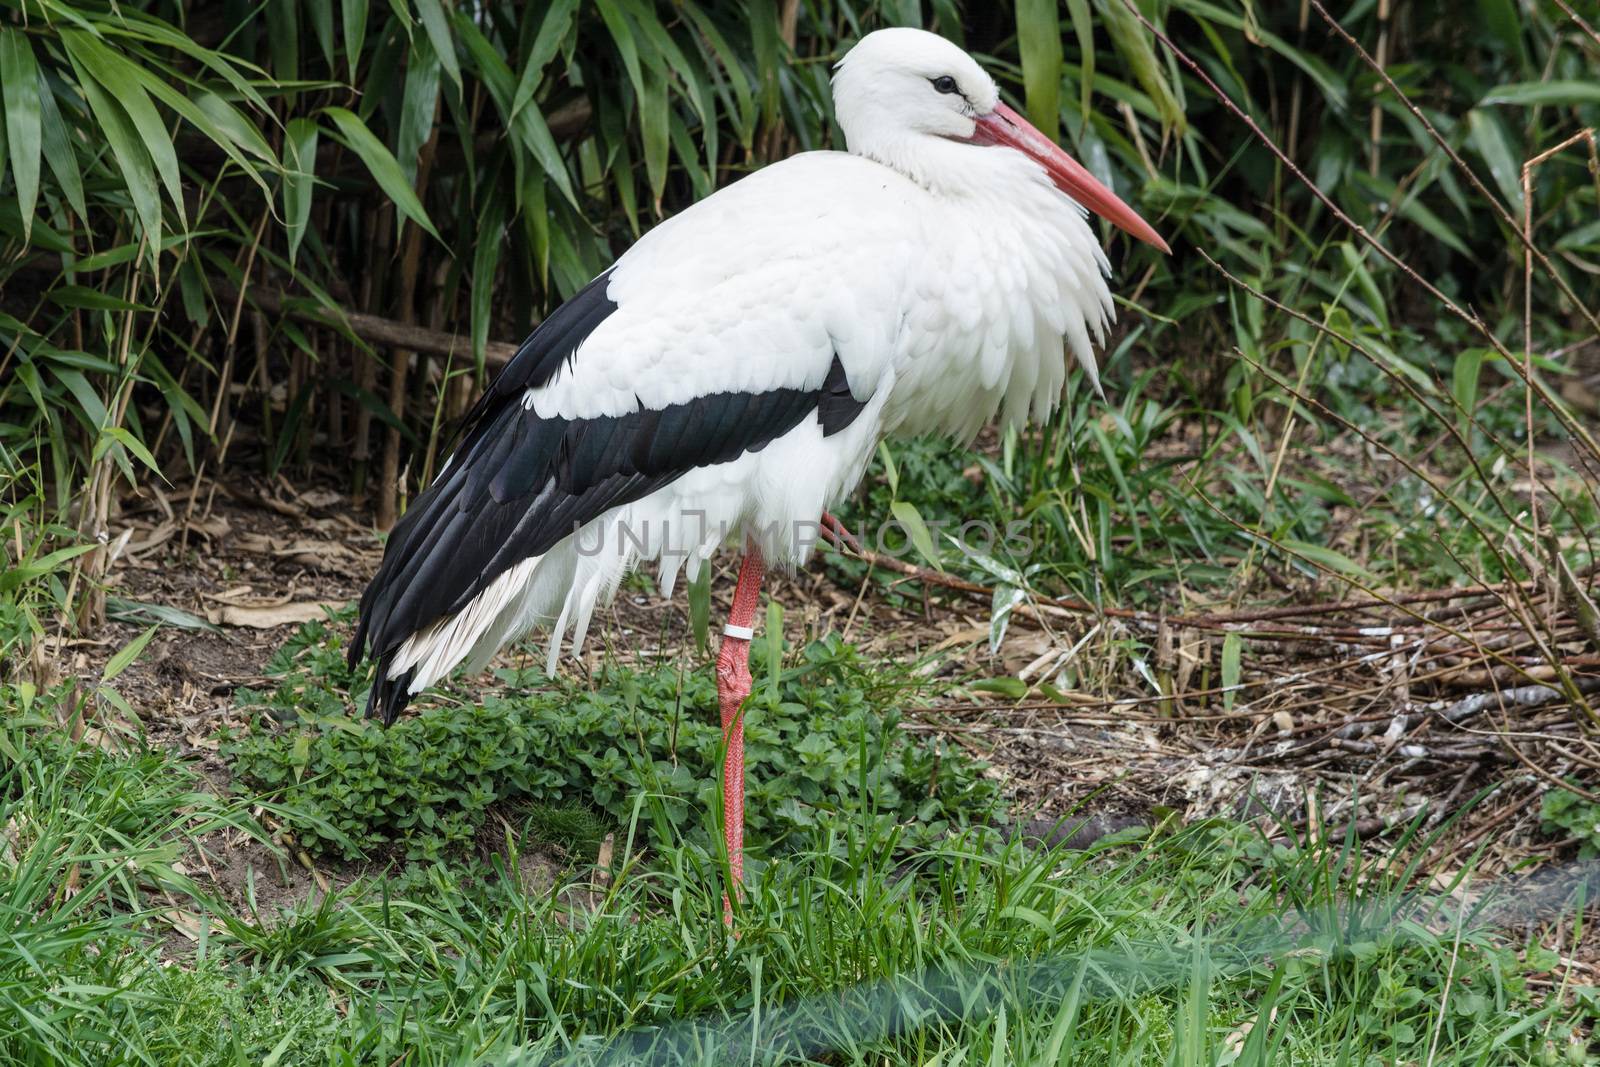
(390, 694)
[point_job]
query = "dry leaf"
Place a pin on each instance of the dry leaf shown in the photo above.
(602, 862)
(186, 923)
(321, 498)
(211, 527)
(157, 537)
(1233, 1044)
(962, 637)
(265, 618)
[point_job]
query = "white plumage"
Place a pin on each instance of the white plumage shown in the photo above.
(945, 278)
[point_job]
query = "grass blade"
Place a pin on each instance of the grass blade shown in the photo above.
(124, 657)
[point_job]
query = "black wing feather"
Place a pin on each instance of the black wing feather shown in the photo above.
(519, 483)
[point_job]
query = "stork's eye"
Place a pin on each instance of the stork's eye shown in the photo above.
(945, 84)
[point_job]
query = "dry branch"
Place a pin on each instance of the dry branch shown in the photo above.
(374, 329)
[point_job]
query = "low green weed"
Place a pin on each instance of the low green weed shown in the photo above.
(825, 737)
(1565, 812)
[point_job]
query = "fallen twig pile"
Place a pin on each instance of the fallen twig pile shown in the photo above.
(1417, 699)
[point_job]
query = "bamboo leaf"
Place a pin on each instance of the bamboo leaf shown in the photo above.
(627, 47)
(1328, 81)
(766, 41)
(774, 636)
(1325, 557)
(528, 126)
(553, 29)
(1135, 48)
(533, 204)
(134, 445)
(743, 100)
(122, 80)
(700, 608)
(25, 572)
(1529, 94)
(1414, 211)
(299, 180)
(376, 406)
(354, 135)
(353, 15)
(58, 151)
(146, 29)
(1039, 40)
(1464, 382)
(1584, 237)
(139, 611)
(891, 473)
(1503, 22)
(419, 105)
(1009, 688)
(82, 296)
(1488, 136)
(19, 81)
(437, 27)
(283, 40)
(133, 162)
(209, 114)
(485, 258)
(1083, 29)
(230, 121)
(654, 121)
(322, 28)
(664, 56)
(1003, 603)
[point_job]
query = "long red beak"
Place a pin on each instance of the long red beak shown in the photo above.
(1003, 126)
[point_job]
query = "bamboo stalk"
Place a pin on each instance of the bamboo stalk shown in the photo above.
(410, 265)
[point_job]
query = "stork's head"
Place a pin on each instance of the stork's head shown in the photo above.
(897, 88)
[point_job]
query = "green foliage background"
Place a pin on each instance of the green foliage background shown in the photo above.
(193, 198)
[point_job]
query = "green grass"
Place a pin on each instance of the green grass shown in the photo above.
(1208, 945)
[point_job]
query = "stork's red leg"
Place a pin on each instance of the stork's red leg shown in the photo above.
(838, 534)
(733, 685)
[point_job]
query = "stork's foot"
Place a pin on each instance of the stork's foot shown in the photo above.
(838, 534)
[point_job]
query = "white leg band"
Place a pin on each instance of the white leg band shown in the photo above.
(742, 633)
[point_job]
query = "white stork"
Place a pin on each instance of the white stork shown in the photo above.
(729, 377)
